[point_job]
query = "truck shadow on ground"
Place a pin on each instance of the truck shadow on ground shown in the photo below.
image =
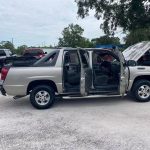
(71, 102)
(92, 101)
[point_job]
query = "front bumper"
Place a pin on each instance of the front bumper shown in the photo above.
(1, 88)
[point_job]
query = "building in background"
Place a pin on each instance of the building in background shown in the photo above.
(109, 46)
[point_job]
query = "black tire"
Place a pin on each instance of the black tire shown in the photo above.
(137, 92)
(42, 102)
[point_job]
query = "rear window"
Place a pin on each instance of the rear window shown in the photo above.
(2, 53)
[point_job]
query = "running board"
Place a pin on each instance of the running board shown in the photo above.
(91, 96)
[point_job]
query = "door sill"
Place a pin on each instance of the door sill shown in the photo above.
(106, 88)
(103, 92)
(90, 96)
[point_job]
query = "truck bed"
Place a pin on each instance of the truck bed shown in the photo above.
(20, 61)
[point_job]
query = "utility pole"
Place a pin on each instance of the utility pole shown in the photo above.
(12, 41)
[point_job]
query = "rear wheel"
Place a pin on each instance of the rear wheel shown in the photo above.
(141, 90)
(42, 97)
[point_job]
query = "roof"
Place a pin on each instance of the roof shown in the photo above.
(88, 49)
(108, 46)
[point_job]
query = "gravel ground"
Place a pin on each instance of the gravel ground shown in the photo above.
(75, 124)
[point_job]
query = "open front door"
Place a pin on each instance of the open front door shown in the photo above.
(123, 82)
(86, 73)
(123, 76)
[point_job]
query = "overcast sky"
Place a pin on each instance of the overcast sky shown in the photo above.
(38, 22)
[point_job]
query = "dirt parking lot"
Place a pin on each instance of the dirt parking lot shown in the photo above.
(75, 124)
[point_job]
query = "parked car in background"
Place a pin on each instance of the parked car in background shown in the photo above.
(34, 52)
(4, 54)
(29, 57)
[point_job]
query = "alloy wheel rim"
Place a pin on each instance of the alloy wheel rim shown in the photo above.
(42, 98)
(144, 91)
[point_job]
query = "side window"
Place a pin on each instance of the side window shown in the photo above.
(2, 53)
(71, 57)
(48, 61)
(74, 59)
(84, 58)
(51, 58)
(99, 57)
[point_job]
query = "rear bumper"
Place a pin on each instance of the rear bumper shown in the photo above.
(2, 89)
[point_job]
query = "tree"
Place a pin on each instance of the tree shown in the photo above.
(86, 43)
(137, 36)
(20, 49)
(106, 40)
(7, 45)
(72, 37)
(127, 14)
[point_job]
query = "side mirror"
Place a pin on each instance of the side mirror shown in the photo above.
(131, 63)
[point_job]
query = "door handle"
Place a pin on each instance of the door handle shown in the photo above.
(141, 68)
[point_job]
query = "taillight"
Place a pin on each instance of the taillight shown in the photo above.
(4, 73)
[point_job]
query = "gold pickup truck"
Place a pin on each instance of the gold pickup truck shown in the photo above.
(78, 72)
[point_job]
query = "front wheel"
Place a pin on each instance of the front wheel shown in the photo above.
(141, 90)
(42, 97)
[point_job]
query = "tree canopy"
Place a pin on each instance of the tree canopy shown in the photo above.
(20, 49)
(7, 45)
(106, 40)
(137, 36)
(127, 14)
(72, 36)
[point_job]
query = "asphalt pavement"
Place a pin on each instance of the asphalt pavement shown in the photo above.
(75, 124)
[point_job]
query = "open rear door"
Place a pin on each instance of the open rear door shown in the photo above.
(86, 73)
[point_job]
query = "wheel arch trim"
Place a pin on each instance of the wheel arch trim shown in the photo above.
(34, 83)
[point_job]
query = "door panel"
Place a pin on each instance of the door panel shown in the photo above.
(123, 77)
(86, 73)
(88, 79)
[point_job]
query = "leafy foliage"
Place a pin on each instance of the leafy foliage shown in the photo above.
(10, 46)
(20, 49)
(128, 14)
(7, 45)
(138, 36)
(72, 37)
(106, 40)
